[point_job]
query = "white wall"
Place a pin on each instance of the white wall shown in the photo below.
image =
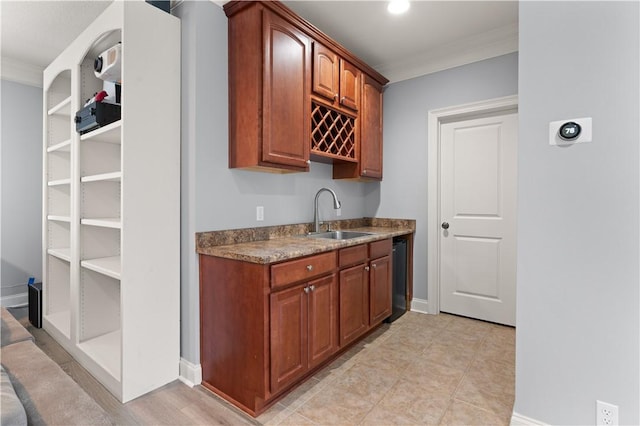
(21, 181)
(578, 322)
(215, 197)
(403, 192)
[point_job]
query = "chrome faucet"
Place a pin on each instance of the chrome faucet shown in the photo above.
(316, 219)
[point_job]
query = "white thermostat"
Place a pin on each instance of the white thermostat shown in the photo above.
(571, 131)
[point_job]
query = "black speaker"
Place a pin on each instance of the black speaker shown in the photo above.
(35, 304)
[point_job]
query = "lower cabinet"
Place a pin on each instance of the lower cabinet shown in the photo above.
(265, 328)
(303, 329)
(354, 303)
(380, 283)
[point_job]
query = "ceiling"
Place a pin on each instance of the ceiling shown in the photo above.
(432, 36)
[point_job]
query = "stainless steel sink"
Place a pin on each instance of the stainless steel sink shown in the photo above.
(339, 235)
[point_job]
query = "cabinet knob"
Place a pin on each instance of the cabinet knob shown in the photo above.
(312, 287)
(308, 161)
(366, 268)
(374, 266)
(309, 268)
(342, 99)
(306, 289)
(364, 172)
(336, 96)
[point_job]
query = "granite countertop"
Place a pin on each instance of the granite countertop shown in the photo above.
(274, 244)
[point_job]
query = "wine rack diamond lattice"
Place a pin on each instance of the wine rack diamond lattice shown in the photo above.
(332, 132)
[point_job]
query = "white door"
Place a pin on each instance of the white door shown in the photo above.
(478, 186)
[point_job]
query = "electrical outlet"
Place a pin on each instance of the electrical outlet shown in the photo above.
(606, 414)
(259, 213)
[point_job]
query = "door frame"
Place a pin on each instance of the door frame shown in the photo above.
(437, 117)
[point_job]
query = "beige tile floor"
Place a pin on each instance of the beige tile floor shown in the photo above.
(420, 370)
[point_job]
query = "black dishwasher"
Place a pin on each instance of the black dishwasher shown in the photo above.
(399, 287)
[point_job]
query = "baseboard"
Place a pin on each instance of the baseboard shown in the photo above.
(419, 305)
(520, 420)
(190, 373)
(20, 299)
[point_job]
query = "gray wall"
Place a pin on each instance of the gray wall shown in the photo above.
(403, 192)
(578, 256)
(215, 197)
(21, 180)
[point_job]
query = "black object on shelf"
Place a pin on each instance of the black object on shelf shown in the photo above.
(96, 114)
(399, 287)
(35, 304)
(161, 4)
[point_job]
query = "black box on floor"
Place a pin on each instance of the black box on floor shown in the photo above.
(35, 304)
(96, 114)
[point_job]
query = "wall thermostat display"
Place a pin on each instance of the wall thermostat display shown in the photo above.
(569, 131)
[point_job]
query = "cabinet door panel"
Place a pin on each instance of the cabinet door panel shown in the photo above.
(323, 327)
(288, 336)
(371, 130)
(287, 87)
(349, 85)
(380, 286)
(326, 69)
(354, 303)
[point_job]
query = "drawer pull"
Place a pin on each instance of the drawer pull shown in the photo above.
(309, 268)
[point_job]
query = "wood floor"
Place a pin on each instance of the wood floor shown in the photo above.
(429, 369)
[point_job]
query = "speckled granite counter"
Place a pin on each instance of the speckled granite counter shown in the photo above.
(276, 243)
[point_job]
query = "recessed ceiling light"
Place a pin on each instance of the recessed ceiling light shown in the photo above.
(398, 6)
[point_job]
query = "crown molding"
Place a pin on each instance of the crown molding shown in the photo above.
(498, 42)
(21, 72)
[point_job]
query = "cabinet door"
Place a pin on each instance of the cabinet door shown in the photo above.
(371, 129)
(323, 326)
(326, 72)
(380, 288)
(288, 336)
(349, 85)
(354, 303)
(286, 93)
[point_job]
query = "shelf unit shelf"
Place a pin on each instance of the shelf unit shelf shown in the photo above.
(59, 218)
(105, 351)
(63, 108)
(109, 266)
(64, 146)
(109, 133)
(63, 253)
(61, 321)
(59, 182)
(103, 177)
(111, 204)
(104, 222)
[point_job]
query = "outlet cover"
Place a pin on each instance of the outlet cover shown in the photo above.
(606, 414)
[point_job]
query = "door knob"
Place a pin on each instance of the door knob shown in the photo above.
(445, 225)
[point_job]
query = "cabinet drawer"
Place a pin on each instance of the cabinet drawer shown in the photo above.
(302, 269)
(352, 255)
(379, 248)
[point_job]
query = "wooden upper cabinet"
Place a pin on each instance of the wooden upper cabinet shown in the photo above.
(335, 78)
(371, 130)
(269, 91)
(326, 72)
(286, 108)
(294, 91)
(349, 85)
